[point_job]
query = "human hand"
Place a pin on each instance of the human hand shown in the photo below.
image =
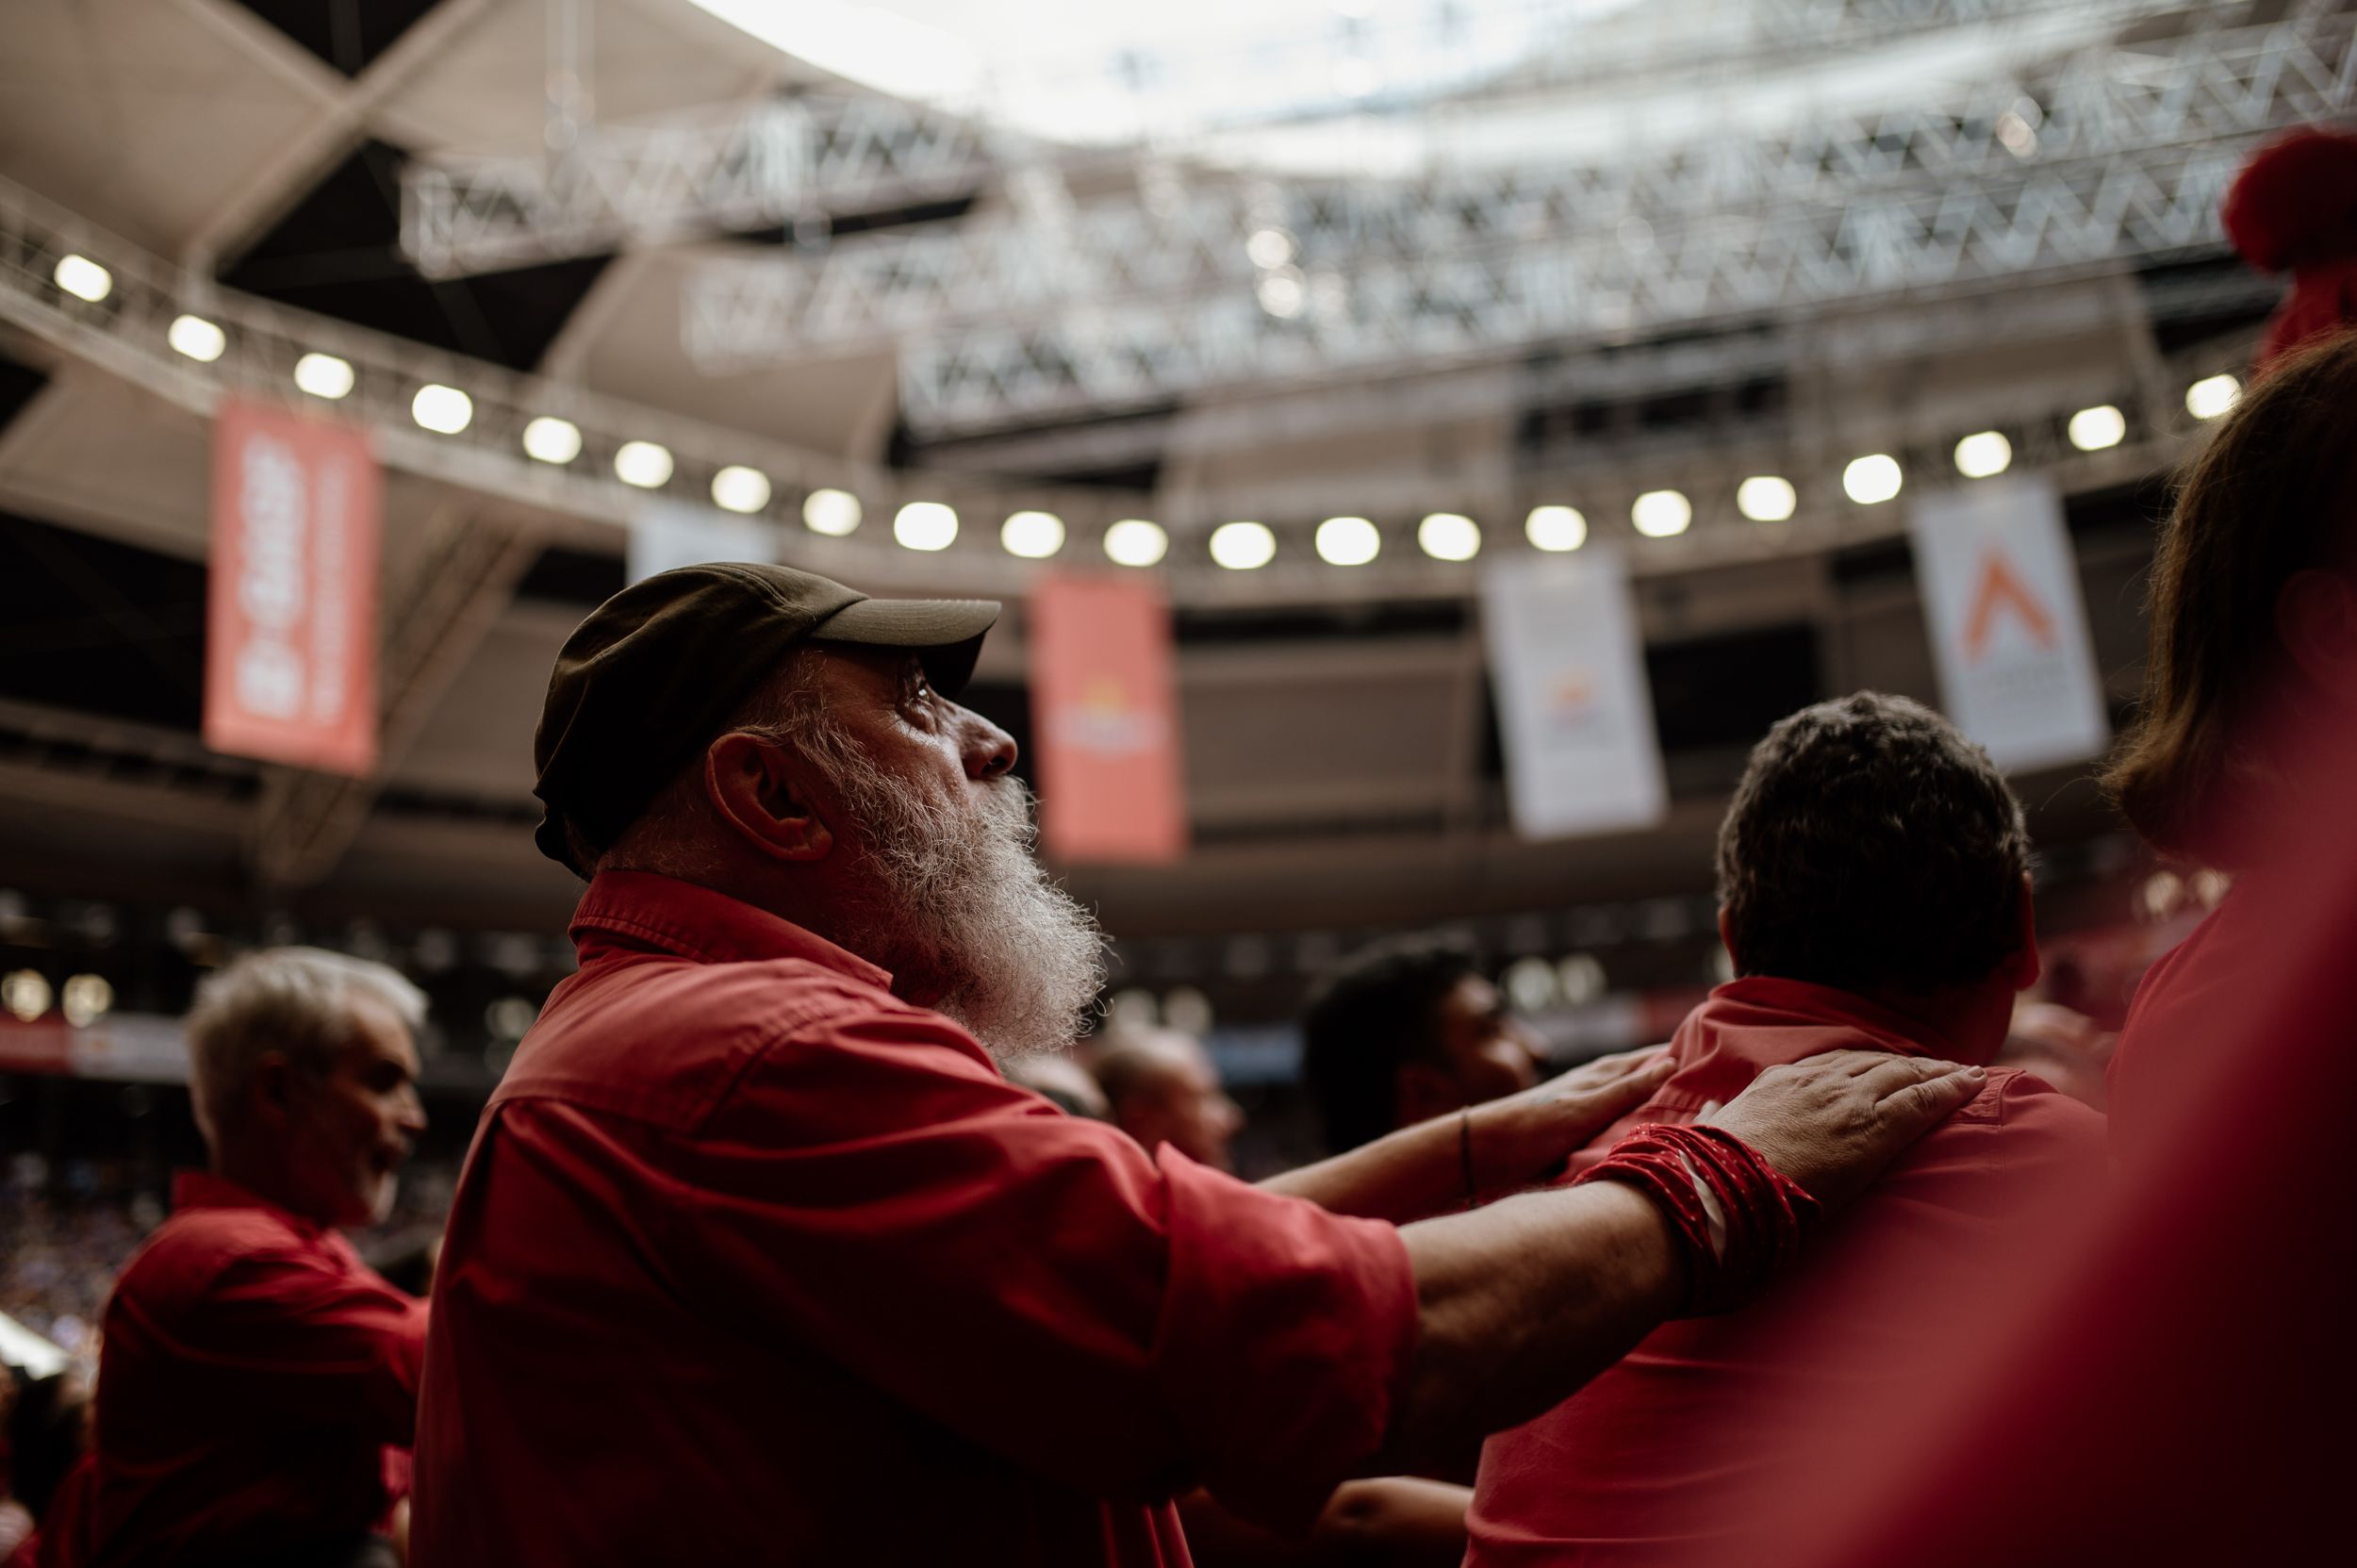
(1833, 1121)
(1525, 1137)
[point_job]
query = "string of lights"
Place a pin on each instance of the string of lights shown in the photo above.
(566, 450)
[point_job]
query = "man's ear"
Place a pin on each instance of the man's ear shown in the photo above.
(2025, 966)
(761, 789)
(270, 1090)
(2315, 619)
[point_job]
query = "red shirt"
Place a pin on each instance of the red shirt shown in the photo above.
(2198, 993)
(753, 1262)
(1671, 1447)
(254, 1375)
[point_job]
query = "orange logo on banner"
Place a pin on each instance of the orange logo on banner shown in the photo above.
(1102, 696)
(290, 621)
(2001, 588)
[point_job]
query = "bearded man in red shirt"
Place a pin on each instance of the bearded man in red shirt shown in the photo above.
(258, 1384)
(1875, 888)
(758, 1257)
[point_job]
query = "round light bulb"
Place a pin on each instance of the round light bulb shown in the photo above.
(1983, 454)
(1871, 479)
(83, 278)
(1243, 546)
(1556, 528)
(738, 489)
(643, 464)
(444, 410)
(1348, 541)
(323, 375)
(1135, 542)
(2211, 396)
(1766, 498)
(925, 525)
(197, 339)
(831, 512)
(2094, 429)
(1033, 535)
(1449, 536)
(1661, 513)
(550, 440)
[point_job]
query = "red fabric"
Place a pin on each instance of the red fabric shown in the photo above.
(2323, 301)
(2175, 1388)
(2298, 191)
(1666, 1456)
(254, 1373)
(751, 1262)
(1763, 1211)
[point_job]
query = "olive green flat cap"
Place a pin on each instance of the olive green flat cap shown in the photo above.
(648, 678)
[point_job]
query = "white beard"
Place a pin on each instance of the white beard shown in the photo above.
(964, 917)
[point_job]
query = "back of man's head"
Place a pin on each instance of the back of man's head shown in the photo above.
(1372, 1013)
(1871, 848)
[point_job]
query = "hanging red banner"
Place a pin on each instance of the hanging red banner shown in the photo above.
(290, 628)
(1105, 714)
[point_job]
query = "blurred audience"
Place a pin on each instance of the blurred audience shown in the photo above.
(1405, 1030)
(1874, 895)
(258, 1382)
(1160, 1087)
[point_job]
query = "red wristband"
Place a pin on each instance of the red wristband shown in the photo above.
(1766, 1211)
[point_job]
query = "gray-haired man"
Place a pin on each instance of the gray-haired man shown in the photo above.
(257, 1381)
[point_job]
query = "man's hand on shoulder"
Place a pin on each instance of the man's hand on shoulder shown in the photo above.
(1833, 1121)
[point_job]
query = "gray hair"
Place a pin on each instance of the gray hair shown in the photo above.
(295, 1001)
(785, 708)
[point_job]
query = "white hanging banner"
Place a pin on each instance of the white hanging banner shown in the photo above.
(668, 534)
(1574, 710)
(2008, 627)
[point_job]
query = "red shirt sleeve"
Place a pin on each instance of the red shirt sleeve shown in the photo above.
(1036, 1282)
(302, 1336)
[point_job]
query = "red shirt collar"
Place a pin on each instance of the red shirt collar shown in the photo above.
(1769, 1021)
(202, 1189)
(640, 911)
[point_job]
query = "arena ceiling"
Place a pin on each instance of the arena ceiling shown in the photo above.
(251, 158)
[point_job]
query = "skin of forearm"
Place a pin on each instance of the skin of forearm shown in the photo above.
(1395, 1519)
(1408, 1175)
(1519, 1303)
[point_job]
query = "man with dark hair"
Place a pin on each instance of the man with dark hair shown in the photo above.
(1874, 893)
(1405, 1030)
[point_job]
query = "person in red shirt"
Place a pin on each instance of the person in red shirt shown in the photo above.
(256, 1383)
(757, 1257)
(1875, 895)
(2249, 689)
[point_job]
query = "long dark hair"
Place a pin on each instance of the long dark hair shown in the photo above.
(2272, 493)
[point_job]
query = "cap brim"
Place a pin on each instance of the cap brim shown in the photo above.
(947, 632)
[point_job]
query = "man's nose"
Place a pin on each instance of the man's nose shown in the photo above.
(988, 750)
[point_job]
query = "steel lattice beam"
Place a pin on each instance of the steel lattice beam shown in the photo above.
(742, 166)
(1141, 299)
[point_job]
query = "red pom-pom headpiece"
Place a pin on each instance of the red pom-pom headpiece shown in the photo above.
(2298, 186)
